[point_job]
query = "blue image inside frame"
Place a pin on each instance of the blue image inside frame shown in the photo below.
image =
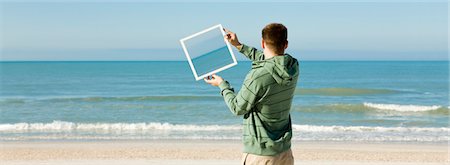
(208, 52)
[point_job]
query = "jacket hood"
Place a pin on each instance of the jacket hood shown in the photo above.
(282, 68)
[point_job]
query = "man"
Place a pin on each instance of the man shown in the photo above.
(265, 97)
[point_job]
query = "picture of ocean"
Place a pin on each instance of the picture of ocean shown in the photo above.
(395, 101)
(212, 61)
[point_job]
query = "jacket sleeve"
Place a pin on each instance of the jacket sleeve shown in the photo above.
(252, 53)
(242, 102)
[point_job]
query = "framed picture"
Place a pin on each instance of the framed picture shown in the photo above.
(208, 52)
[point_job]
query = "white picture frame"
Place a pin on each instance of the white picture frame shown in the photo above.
(218, 28)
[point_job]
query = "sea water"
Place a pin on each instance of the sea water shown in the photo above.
(213, 60)
(337, 101)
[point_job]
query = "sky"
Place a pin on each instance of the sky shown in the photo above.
(206, 42)
(148, 30)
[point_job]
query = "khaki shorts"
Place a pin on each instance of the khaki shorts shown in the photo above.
(284, 158)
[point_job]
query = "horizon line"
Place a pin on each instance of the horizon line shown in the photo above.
(312, 60)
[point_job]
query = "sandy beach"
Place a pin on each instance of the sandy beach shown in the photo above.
(214, 152)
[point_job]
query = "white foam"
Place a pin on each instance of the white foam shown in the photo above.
(402, 108)
(315, 128)
(104, 131)
(70, 126)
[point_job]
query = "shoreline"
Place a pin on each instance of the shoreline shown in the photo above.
(215, 152)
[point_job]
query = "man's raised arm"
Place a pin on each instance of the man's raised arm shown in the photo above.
(250, 52)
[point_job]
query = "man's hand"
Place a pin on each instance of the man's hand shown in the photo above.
(214, 80)
(232, 38)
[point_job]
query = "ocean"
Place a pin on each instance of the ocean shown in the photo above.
(396, 101)
(211, 61)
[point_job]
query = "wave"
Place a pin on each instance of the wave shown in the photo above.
(403, 108)
(116, 131)
(373, 107)
(314, 128)
(342, 91)
(299, 91)
(71, 126)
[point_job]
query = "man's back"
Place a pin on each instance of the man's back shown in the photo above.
(265, 101)
(265, 97)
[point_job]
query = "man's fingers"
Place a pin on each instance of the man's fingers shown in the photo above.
(207, 81)
(227, 36)
(213, 80)
(228, 32)
(207, 78)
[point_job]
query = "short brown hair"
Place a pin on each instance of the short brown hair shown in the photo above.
(275, 37)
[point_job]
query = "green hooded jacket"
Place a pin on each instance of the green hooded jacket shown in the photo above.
(265, 101)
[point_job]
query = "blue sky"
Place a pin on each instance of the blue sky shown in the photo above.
(143, 30)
